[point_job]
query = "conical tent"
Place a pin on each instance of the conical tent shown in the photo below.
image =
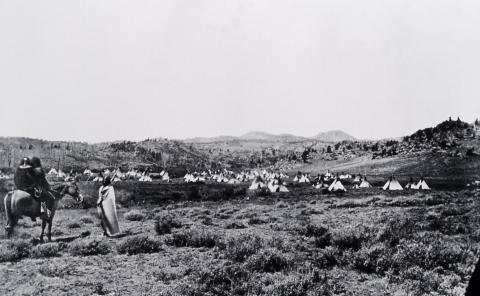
(392, 184)
(304, 179)
(272, 187)
(257, 185)
(365, 184)
(165, 177)
(422, 185)
(336, 186)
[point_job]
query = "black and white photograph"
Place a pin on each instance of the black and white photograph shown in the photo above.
(240, 147)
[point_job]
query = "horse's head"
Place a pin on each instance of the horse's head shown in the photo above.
(72, 190)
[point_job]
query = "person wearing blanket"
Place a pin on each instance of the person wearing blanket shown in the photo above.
(107, 209)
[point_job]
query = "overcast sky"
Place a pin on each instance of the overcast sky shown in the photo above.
(95, 70)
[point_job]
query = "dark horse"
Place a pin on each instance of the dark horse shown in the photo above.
(19, 203)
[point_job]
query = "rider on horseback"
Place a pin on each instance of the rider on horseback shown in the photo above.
(30, 177)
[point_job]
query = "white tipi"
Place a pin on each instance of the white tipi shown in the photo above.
(336, 186)
(257, 184)
(364, 184)
(421, 185)
(392, 184)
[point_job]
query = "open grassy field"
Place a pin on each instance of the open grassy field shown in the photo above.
(366, 242)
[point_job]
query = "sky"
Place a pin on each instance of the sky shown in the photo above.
(129, 70)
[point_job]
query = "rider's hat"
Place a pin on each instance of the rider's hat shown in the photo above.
(25, 164)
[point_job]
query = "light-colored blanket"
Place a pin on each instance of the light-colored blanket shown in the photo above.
(107, 209)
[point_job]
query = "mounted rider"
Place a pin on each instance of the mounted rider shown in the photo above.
(31, 178)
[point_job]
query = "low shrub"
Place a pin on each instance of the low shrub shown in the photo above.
(267, 260)
(281, 205)
(134, 215)
(56, 269)
(299, 283)
(240, 191)
(165, 223)
(15, 250)
(86, 220)
(309, 229)
(46, 250)
(225, 279)
(372, 259)
(394, 229)
(228, 193)
(73, 225)
(428, 255)
(257, 221)
(89, 247)
(350, 238)
(239, 248)
(283, 243)
(328, 257)
(57, 232)
(236, 225)
(139, 244)
(197, 237)
(194, 193)
(419, 281)
(323, 241)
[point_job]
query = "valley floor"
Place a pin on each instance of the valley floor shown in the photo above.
(374, 243)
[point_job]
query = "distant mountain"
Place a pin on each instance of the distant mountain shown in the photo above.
(250, 136)
(331, 136)
(334, 136)
(262, 136)
(211, 140)
(257, 135)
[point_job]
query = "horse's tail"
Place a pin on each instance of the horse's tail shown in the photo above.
(10, 219)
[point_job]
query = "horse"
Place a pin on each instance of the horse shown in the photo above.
(20, 203)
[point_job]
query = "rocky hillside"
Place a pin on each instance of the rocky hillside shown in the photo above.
(152, 153)
(451, 137)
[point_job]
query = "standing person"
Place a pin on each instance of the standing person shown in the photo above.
(107, 209)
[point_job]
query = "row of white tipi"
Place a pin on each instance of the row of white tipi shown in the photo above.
(393, 184)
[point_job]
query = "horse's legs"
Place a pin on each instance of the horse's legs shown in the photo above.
(11, 219)
(44, 223)
(11, 222)
(49, 234)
